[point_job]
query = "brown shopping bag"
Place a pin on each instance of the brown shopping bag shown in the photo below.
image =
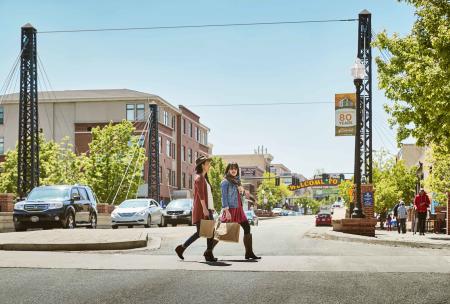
(207, 228)
(227, 232)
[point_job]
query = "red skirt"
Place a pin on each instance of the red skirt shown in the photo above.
(237, 214)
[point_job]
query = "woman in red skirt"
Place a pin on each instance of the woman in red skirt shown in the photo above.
(232, 206)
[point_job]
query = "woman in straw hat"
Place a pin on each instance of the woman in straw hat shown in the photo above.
(203, 208)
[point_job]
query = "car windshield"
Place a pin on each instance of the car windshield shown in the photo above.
(49, 194)
(134, 204)
(180, 203)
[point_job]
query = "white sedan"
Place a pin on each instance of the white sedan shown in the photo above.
(136, 212)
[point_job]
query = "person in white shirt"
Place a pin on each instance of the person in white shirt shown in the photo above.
(402, 214)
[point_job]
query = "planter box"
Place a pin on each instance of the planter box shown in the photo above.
(364, 226)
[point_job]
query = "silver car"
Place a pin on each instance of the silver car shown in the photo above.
(137, 212)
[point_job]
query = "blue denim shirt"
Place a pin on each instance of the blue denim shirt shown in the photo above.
(229, 194)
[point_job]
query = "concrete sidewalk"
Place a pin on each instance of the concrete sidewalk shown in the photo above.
(77, 240)
(389, 238)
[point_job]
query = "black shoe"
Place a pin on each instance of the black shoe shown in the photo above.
(179, 250)
(209, 257)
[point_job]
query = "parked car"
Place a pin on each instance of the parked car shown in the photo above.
(178, 211)
(137, 212)
(251, 217)
(277, 211)
(323, 219)
(65, 206)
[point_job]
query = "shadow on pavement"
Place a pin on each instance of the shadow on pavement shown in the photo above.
(219, 264)
(241, 261)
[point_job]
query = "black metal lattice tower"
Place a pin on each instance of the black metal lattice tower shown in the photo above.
(153, 155)
(365, 55)
(28, 157)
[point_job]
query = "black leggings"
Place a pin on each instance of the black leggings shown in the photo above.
(196, 235)
(246, 226)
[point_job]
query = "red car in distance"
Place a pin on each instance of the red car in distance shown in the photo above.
(323, 219)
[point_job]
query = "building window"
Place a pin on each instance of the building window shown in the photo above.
(174, 121)
(141, 140)
(2, 114)
(197, 135)
(190, 181)
(130, 112)
(160, 175)
(2, 145)
(184, 126)
(183, 179)
(190, 129)
(174, 177)
(173, 151)
(140, 112)
(183, 153)
(168, 145)
(168, 176)
(190, 155)
(206, 138)
(166, 118)
(160, 144)
(196, 155)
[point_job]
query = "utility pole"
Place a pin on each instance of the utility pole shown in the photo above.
(153, 155)
(28, 156)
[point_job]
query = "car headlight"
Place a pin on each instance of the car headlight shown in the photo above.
(187, 212)
(56, 205)
(141, 212)
(19, 206)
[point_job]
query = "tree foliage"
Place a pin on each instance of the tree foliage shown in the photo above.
(417, 76)
(215, 176)
(273, 194)
(114, 163)
(392, 181)
(58, 165)
(112, 167)
(439, 179)
(345, 191)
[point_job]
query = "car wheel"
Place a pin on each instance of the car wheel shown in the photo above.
(174, 225)
(190, 222)
(161, 222)
(114, 227)
(130, 226)
(19, 227)
(93, 222)
(69, 223)
(149, 222)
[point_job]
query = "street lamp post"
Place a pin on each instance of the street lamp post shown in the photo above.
(358, 73)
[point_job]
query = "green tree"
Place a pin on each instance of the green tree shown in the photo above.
(273, 194)
(215, 176)
(417, 76)
(392, 181)
(345, 189)
(58, 165)
(439, 179)
(114, 162)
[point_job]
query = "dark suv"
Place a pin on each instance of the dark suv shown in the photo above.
(178, 211)
(56, 206)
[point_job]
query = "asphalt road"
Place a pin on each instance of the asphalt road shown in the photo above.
(26, 286)
(282, 241)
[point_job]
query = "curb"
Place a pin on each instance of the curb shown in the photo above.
(375, 241)
(141, 242)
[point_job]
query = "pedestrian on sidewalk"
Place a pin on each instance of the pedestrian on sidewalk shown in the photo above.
(421, 204)
(402, 215)
(203, 208)
(389, 223)
(232, 206)
(396, 215)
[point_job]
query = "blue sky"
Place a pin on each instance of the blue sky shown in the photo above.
(263, 64)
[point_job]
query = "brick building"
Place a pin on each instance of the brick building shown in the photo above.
(74, 113)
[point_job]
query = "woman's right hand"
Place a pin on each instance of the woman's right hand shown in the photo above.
(206, 212)
(227, 215)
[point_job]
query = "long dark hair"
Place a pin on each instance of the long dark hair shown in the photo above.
(199, 171)
(232, 165)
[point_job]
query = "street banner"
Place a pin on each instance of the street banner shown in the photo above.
(345, 114)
